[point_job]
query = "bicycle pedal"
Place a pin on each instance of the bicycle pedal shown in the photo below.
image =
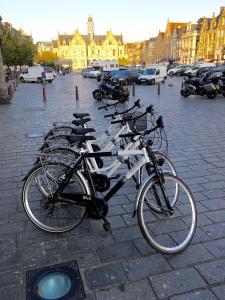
(107, 226)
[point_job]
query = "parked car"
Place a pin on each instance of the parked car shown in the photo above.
(93, 73)
(106, 75)
(153, 74)
(175, 70)
(204, 70)
(85, 72)
(196, 67)
(37, 74)
(126, 76)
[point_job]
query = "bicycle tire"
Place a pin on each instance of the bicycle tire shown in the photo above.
(36, 205)
(179, 235)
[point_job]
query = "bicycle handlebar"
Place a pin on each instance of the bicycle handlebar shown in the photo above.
(136, 104)
(149, 109)
(108, 105)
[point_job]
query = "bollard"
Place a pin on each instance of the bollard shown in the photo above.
(76, 92)
(11, 90)
(14, 86)
(158, 92)
(133, 90)
(44, 93)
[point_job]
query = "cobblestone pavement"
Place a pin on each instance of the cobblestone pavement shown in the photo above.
(117, 265)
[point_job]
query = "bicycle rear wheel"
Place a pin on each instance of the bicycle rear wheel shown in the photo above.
(42, 182)
(167, 234)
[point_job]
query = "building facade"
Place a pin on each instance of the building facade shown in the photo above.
(81, 49)
(212, 38)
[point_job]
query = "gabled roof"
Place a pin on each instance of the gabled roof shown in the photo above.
(54, 43)
(65, 37)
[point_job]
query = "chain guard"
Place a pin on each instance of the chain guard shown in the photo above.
(98, 209)
(101, 182)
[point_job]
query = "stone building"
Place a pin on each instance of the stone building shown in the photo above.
(189, 44)
(82, 49)
(211, 45)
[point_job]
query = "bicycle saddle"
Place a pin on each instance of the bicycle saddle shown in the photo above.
(81, 122)
(80, 115)
(79, 138)
(82, 131)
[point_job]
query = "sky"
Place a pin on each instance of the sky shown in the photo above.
(137, 20)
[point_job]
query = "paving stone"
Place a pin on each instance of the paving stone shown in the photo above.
(214, 204)
(117, 251)
(216, 247)
(131, 291)
(140, 268)
(105, 275)
(219, 291)
(143, 247)
(193, 254)
(198, 295)
(90, 242)
(176, 282)
(215, 230)
(217, 216)
(128, 233)
(213, 271)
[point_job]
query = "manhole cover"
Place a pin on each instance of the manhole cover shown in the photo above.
(61, 281)
(35, 135)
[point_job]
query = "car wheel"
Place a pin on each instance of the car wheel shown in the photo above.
(153, 81)
(39, 80)
(22, 79)
(171, 73)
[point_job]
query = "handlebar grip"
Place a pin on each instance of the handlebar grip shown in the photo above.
(159, 122)
(111, 115)
(150, 109)
(117, 121)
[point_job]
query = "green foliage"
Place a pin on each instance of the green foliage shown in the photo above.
(17, 49)
(46, 58)
(123, 61)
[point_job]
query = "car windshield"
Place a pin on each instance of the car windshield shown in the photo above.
(149, 72)
(48, 69)
(123, 73)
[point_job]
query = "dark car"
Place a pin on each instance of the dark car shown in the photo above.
(126, 77)
(180, 71)
(207, 75)
(106, 75)
(204, 70)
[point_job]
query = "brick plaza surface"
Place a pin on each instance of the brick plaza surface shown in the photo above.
(116, 265)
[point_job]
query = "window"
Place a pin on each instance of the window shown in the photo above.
(114, 52)
(111, 66)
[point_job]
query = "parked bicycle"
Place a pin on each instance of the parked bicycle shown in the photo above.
(58, 196)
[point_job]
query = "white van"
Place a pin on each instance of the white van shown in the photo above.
(37, 74)
(153, 74)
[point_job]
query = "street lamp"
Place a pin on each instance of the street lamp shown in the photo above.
(4, 97)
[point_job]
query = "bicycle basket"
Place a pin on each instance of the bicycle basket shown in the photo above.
(140, 124)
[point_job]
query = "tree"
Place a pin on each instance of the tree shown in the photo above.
(18, 49)
(123, 61)
(46, 58)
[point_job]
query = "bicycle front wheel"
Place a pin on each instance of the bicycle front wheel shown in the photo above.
(166, 233)
(42, 182)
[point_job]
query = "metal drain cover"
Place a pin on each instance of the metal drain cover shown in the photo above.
(56, 282)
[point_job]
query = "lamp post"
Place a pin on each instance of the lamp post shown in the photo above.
(4, 97)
